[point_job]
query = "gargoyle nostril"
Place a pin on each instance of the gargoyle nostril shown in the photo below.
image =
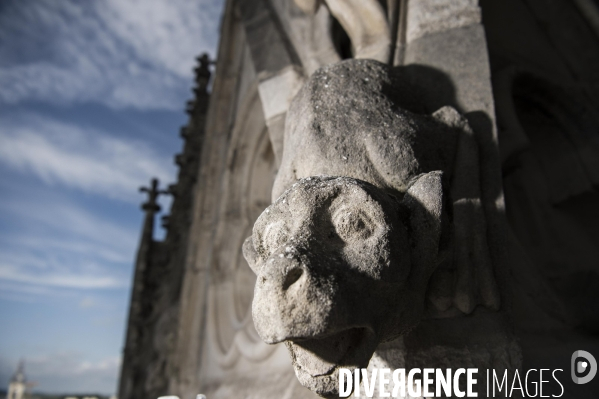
(292, 276)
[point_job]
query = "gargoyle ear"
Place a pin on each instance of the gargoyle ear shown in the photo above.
(250, 254)
(425, 201)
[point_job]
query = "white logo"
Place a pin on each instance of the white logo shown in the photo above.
(578, 366)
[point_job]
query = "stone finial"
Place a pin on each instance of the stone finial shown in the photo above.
(202, 71)
(151, 205)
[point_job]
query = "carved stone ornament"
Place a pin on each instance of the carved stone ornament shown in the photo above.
(366, 200)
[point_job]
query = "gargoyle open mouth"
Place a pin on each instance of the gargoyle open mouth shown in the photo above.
(317, 360)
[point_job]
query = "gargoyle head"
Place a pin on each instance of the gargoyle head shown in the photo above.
(341, 266)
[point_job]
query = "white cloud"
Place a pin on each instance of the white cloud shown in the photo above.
(69, 228)
(120, 53)
(82, 158)
(87, 302)
(114, 250)
(167, 33)
(31, 293)
(68, 280)
(68, 247)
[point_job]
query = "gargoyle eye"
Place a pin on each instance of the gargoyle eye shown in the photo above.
(353, 224)
(275, 234)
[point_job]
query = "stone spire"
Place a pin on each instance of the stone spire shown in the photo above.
(143, 260)
(18, 383)
(159, 267)
(19, 375)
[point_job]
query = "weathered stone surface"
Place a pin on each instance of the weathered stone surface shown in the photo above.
(352, 119)
(344, 256)
(320, 245)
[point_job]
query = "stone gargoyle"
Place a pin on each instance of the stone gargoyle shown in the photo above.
(360, 243)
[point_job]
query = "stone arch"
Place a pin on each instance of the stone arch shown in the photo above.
(245, 192)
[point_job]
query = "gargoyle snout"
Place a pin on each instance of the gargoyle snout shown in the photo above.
(284, 305)
(282, 272)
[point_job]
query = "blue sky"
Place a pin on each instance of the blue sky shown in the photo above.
(91, 100)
